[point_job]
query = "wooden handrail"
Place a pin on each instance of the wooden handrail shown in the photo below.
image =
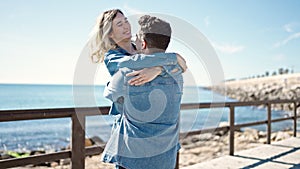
(79, 151)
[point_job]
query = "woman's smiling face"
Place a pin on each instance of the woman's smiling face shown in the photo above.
(121, 29)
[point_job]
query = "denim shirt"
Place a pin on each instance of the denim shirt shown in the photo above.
(119, 58)
(146, 132)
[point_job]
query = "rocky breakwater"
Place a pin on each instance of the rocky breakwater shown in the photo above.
(279, 87)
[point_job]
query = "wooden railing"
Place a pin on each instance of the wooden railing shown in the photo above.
(78, 151)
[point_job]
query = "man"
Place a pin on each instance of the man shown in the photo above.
(146, 133)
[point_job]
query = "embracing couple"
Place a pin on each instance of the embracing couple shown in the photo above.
(145, 88)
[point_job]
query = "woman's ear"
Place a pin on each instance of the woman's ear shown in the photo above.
(144, 45)
(110, 35)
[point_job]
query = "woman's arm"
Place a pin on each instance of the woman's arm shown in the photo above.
(148, 74)
(153, 63)
(115, 89)
(140, 61)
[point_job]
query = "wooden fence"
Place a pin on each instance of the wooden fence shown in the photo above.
(78, 151)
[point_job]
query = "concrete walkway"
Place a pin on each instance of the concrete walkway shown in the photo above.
(278, 155)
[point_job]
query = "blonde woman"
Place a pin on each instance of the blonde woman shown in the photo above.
(113, 46)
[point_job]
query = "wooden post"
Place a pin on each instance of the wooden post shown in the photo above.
(295, 119)
(231, 128)
(269, 130)
(78, 141)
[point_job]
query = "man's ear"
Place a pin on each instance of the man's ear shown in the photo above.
(144, 45)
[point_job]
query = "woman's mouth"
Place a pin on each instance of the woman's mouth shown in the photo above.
(127, 32)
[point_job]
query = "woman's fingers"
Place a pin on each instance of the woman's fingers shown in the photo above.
(134, 73)
(143, 76)
(136, 80)
(182, 63)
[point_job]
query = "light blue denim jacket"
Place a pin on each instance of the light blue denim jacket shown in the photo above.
(119, 58)
(146, 133)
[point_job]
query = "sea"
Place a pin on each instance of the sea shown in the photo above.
(51, 135)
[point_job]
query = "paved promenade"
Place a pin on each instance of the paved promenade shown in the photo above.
(278, 155)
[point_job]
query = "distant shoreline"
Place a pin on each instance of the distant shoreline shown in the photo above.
(291, 79)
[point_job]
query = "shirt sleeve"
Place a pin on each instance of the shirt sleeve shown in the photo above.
(171, 70)
(112, 59)
(116, 88)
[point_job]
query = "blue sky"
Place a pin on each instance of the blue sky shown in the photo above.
(41, 41)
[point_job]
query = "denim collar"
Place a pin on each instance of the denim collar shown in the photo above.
(121, 50)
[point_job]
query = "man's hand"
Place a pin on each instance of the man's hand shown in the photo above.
(145, 75)
(182, 63)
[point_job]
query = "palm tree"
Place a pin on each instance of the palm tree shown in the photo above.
(286, 71)
(280, 71)
(267, 73)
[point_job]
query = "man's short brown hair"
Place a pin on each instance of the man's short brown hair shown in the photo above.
(156, 32)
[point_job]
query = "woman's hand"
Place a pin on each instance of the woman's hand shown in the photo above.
(182, 63)
(144, 75)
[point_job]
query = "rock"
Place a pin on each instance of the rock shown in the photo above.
(65, 161)
(205, 136)
(97, 140)
(237, 134)
(251, 134)
(54, 164)
(4, 156)
(195, 139)
(281, 136)
(216, 138)
(273, 136)
(37, 152)
(262, 140)
(184, 142)
(196, 150)
(88, 142)
(223, 132)
(262, 134)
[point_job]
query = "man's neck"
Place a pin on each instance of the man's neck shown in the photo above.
(150, 51)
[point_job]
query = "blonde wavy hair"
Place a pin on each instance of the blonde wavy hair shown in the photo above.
(100, 41)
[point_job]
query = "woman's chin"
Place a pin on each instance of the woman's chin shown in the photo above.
(127, 38)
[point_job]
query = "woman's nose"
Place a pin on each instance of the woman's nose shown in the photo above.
(127, 26)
